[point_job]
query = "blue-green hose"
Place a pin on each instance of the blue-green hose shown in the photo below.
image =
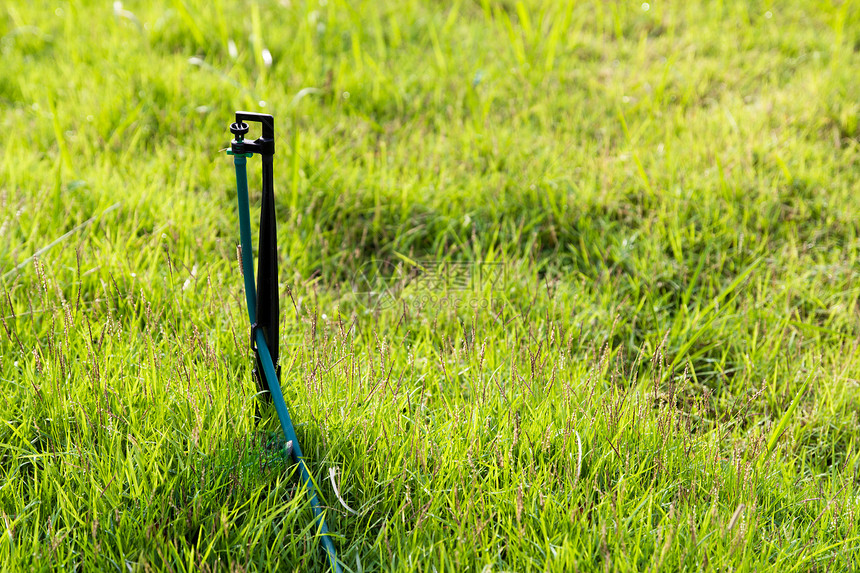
(245, 236)
(266, 360)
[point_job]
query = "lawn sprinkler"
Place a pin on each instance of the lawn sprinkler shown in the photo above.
(262, 298)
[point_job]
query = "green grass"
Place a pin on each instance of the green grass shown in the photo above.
(662, 374)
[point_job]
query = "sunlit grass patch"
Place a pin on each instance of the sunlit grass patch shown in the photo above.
(564, 286)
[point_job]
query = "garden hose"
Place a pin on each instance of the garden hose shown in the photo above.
(262, 298)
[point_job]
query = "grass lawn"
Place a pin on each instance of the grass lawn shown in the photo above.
(564, 286)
